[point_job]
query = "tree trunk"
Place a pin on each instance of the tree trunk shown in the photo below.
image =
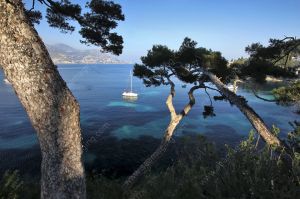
(175, 120)
(50, 105)
(241, 103)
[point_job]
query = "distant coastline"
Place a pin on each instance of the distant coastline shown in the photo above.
(64, 54)
(94, 63)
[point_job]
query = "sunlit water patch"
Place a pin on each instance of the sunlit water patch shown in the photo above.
(20, 142)
(136, 107)
(154, 128)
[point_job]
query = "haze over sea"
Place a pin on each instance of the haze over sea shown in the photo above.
(98, 88)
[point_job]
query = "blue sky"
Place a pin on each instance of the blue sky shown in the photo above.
(224, 25)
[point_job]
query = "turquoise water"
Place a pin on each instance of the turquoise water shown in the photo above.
(99, 88)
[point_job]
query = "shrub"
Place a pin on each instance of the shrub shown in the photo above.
(10, 185)
(245, 172)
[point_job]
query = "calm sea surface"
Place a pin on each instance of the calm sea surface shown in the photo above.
(99, 88)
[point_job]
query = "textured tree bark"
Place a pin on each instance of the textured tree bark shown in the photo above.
(50, 105)
(252, 116)
(175, 120)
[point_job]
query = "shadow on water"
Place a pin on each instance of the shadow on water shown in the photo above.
(27, 161)
(114, 157)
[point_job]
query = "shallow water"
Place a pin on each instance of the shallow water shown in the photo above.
(98, 89)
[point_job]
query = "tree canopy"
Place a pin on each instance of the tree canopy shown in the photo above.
(95, 24)
(274, 60)
(161, 63)
(278, 59)
(191, 65)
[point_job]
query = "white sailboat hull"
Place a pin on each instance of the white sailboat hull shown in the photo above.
(6, 81)
(129, 94)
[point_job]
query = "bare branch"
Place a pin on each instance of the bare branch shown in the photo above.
(191, 103)
(32, 7)
(169, 101)
(213, 89)
(257, 141)
(252, 116)
(256, 95)
(288, 52)
(175, 120)
(208, 96)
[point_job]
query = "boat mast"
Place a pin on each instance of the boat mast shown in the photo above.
(130, 82)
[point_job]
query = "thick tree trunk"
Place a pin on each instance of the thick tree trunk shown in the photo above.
(175, 120)
(241, 103)
(51, 107)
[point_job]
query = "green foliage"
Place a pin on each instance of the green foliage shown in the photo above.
(198, 171)
(274, 60)
(208, 111)
(240, 60)
(275, 130)
(186, 64)
(294, 138)
(34, 16)
(30, 190)
(99, 186)
(187, 177)
(258, 69)
(289, 94)
(96, 24)
(276, 51)
(158, 56)
(245, 172)
(10, 185)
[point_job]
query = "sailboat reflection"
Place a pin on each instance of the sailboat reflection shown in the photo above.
(130, 98)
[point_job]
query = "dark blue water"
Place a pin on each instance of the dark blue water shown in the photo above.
(99, 88)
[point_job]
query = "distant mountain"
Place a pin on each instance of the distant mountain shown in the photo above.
(64, 54)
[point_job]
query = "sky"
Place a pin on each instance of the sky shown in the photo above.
(227, 26)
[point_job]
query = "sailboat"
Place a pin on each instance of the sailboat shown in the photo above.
(130, 93)
(6, 81)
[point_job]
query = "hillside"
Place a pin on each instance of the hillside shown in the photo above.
(64, 54)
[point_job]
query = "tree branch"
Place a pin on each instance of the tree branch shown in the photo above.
(191, 103)
(155, 156)
(32, 7)
(264, 99)
(169, 101)
(213, 89)
(189, 106)
(208, 96)
(287, 53)
(252, 116)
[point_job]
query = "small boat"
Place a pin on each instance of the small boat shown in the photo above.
(6, 81)
(130, 93)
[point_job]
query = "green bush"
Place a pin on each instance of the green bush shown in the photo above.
(289, 94)
(99, 186)
(10, 185)
(245, 172)
(198, 171)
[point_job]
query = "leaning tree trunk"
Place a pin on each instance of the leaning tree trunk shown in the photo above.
(175, 120)
(50, 105)
(241, 103)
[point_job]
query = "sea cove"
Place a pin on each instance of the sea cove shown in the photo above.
(98, 88)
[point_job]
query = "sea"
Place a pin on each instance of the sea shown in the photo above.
(104, 112)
